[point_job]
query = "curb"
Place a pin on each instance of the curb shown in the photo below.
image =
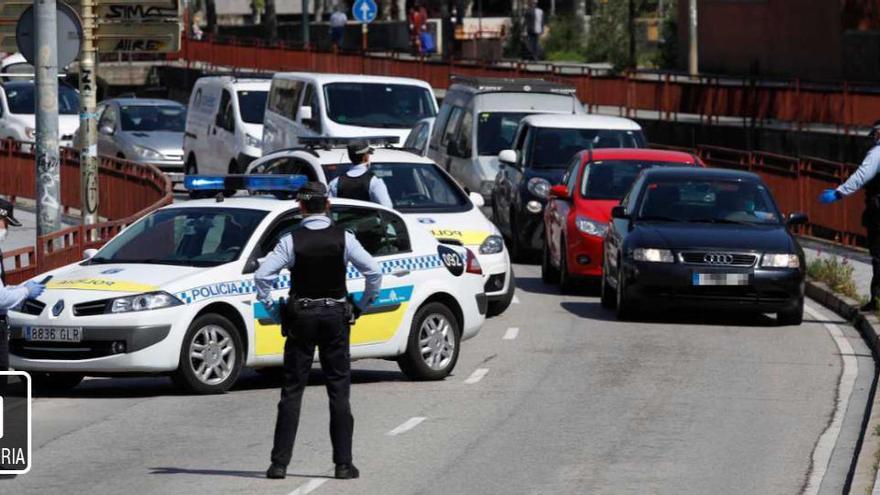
(865, 476)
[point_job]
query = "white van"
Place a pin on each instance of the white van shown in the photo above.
(224, 124)
(343, 105)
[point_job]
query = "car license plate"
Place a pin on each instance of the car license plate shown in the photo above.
(53, 334)
(721, 279)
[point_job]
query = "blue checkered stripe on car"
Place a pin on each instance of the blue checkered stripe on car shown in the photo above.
(243, 287)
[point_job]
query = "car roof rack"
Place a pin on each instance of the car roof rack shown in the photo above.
(512, 85)
(330, 142)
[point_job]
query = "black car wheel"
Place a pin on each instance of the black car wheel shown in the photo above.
(608, 297)
(567, 283)
(624, 312)
(549, 273)
(792, 317)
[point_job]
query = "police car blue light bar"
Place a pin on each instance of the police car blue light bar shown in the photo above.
(291, 183)
(330, 141)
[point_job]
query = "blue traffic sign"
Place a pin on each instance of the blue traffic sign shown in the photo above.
(364, 10)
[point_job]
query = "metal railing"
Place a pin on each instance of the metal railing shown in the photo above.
(755, 102)
(127, 190)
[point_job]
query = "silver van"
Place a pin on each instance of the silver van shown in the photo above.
(479, 118)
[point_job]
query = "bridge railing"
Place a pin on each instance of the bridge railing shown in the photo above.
(127, 191)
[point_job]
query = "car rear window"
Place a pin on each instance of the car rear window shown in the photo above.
(612, 179)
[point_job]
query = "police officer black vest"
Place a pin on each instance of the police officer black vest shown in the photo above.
(355, 187)
(319, 264)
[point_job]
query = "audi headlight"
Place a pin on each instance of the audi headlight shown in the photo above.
(653, 255)
(780, 260)
(493, 244)
(143, 302)
(591, 227)
(147, 153)
(252, 141)
(539, 187)
(30, 132)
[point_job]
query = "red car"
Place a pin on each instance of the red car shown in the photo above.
(579, 209)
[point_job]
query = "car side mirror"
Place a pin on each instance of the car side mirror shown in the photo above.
(89, 254)
(797, 218)
(507, 157)
(477, 199)
(106, 129)
(619, 212)
(559, 191)
(251, 266)
(305, 113)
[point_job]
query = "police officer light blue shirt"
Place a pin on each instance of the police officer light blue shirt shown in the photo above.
(378, 190)
(11, 297)
(283, 256)
(867, 170)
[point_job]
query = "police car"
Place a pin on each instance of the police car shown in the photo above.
(174, 293)
(421, 191)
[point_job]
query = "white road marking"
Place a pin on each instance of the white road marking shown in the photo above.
(406, 426)
(477, 375)
(511, 333)
(515, 299)
(825, 445)
(309, 486)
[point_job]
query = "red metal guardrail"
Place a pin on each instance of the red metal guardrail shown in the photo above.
(127, 191)
(755, 101)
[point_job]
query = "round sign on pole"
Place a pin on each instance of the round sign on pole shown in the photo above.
(70, 35)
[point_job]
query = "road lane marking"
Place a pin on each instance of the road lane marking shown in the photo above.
(310, 486)
(476, 376)
(406, 426)
(511, 333)
(825, 446)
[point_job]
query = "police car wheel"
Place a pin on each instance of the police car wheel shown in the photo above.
(211, 356)
(433, 345)
(549, 273)
(55, 382)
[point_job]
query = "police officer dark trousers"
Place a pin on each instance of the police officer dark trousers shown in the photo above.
(866, 176)
(359, 182)
(10, 296)
(317, 313)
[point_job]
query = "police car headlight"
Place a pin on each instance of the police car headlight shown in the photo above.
(591, 227)
(252, 141)
(540, 187)
(147, 153)
(144, 302)
(653, 255)
(780, 260)
(493, 244)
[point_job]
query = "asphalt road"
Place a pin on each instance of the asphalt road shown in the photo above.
(570, 402)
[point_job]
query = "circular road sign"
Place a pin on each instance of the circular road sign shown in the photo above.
(70, 35)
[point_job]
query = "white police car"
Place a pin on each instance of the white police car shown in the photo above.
(174, 293)
(421, 191)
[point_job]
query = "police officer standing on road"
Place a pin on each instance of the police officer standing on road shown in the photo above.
(866, 176)
(10, 296)
(318, 312)
(359, 182)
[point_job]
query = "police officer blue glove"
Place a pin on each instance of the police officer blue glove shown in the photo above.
(829, 196)
(34, 289)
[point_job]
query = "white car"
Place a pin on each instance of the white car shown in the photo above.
(423, 193)
(174, 294)
(17, 106)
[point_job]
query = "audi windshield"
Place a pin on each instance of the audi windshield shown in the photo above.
(708, 201)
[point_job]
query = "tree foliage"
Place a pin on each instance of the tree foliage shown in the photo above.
(609, 39)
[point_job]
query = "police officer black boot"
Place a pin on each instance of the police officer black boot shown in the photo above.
(347, 472)
(276, 472)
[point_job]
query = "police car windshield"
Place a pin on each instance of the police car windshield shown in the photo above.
(414, 187)
(392, 106)
(184, 236)
(701, 201)
(611, 179)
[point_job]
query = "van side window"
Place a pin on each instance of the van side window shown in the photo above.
(225, 100)
(451, 126)
(465, 135)
(310, 99)
(197, 98)
(440, 125)
(284, 97)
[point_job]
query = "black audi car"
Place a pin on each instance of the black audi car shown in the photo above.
(710, 238)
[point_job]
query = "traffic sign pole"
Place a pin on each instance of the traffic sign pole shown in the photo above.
(47, 157)
(88, 120)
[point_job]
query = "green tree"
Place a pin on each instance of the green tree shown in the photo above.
(609, 39)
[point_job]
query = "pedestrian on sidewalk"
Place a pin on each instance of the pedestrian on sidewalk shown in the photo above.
(534, 20)
(337, 26)
(866, 176)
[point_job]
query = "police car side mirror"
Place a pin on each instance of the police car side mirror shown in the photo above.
(797, 218)
(477, 199)
(251, 266)
(89, 253)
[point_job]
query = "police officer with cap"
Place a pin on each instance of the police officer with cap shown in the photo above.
(359, 182)
(11, 297)
(318, 312)
(866, 176)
